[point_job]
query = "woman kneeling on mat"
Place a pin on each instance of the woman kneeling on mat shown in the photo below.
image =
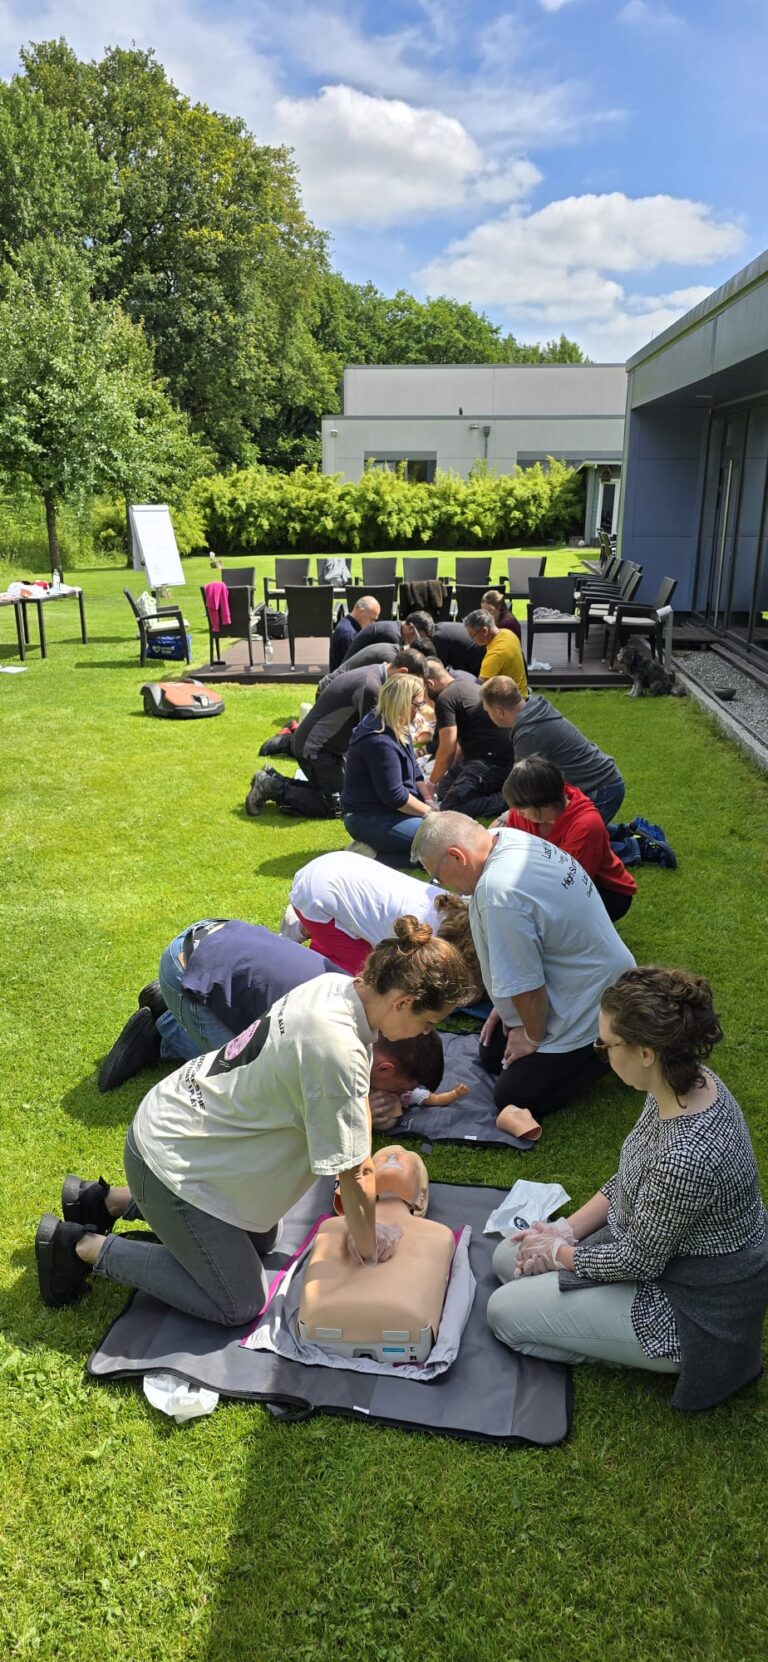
(668, 1262)
(220, 1150)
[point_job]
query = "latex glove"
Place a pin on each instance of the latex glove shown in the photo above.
(556, 1226)
(539, 1247)
(386, 1109)
(387, 1237)
(489, 1027)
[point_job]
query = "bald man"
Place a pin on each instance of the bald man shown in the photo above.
(366, 610)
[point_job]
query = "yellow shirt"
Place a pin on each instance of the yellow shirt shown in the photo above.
(504, 656)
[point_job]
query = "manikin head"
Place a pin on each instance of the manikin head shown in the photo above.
(502, 700)
(400, 1175)
(365, 610)
(453, 850)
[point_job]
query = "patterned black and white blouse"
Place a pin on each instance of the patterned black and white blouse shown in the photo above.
(687, 1185)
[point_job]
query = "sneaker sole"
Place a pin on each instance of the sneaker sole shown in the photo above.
(46, 1230)
(71, 1190)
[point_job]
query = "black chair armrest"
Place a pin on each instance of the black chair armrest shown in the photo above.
(633, 608)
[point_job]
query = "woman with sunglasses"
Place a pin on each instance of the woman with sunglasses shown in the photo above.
(385, 796)
(666, 1267)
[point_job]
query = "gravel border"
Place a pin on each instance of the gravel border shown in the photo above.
(745, 717)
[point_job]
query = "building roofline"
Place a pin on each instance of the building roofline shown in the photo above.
(749, 277)
(454, 367)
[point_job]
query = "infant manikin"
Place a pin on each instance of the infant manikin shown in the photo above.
(388, 1311)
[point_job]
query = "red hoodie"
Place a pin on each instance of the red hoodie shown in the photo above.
(580, 831)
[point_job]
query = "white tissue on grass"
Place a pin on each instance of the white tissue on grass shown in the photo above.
(178, 1399)
(525, 1204)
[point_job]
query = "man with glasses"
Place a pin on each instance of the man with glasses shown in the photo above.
(547, 950)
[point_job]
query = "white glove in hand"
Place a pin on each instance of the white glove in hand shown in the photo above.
(539, 1247)
(387, 1237)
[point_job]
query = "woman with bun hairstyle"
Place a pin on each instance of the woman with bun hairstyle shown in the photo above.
(666, 1267)
(385, 796)
(221, 1149)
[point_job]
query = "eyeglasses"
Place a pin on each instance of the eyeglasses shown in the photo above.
(601, 1048)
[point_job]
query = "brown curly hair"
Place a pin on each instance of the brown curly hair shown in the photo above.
(671, 1012)
(454, 927)
(416, 962)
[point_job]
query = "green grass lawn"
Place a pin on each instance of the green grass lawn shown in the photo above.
(237, 1538)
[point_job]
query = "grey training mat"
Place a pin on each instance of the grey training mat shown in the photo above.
(490, 1394)
(473, 1118)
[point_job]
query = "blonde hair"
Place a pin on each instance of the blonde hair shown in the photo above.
(394, 702)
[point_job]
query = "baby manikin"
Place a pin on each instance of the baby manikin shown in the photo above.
(389, 1311)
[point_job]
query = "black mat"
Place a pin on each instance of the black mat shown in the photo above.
(490, 1394)
(473, 1118)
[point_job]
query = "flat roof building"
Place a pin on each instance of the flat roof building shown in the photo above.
(695, 497)
(450, 416)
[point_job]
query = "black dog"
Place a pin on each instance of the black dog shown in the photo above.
(649, 678)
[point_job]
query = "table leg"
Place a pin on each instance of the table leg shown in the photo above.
(41, 626)
(25, 619)
(83, 630)
(20, 630)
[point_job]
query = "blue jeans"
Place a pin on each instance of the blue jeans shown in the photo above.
(203, 1266)
(608, 800)
(187, 1028)
(390, 834)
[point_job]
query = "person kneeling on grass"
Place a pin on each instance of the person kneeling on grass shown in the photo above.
(219, 1151)
(666, 1267)
(541, 803)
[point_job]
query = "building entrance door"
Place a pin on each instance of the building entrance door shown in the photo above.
(720, 532)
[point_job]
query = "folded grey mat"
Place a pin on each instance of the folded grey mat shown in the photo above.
(490, 1394)
(473, 1118)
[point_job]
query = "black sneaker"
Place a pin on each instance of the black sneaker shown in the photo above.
(62, 1275)
(137, 1047)
(266, 786)
(83, 1202)
(151, 998)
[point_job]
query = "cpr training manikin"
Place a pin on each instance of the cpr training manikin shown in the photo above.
(390, 1311)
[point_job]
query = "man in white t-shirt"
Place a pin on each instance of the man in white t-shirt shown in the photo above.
(547, 949)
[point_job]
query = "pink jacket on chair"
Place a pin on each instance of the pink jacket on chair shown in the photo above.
(217, 605)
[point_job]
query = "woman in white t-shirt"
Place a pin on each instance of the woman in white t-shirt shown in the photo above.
(221, 1149)
(343, 904)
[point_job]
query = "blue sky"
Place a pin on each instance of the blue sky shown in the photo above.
(594, 166)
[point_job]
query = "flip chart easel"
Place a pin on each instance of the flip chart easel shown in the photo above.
(153, 546)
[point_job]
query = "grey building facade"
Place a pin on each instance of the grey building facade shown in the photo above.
(450, 416)
(695, 496)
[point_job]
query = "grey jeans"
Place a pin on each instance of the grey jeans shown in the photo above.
(203, 1266)
(593, 1324)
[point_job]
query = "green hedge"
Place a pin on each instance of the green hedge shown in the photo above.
(256, 509)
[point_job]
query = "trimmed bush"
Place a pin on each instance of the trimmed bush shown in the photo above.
(256, 509)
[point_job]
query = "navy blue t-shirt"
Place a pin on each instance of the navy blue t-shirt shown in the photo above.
(240, 969)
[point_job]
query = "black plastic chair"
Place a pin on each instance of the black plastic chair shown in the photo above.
(634, 618)
(469, 598)
(519, 572)
(240, 626)
(594, 605)
(559, 593)
(310, 614)
(473, 569)
(288, 574)
(378, 570)
(421, 568)
(167, 620)
(238, 577)
(385, 597)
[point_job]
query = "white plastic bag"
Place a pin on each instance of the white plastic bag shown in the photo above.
(525, 1204)
(178, 1399)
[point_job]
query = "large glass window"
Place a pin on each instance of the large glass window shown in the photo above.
(418, 467)
(732, 575)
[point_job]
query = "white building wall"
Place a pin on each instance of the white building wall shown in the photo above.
(484, 390)
(457, 443)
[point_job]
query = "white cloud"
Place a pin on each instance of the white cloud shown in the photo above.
(639, 13)
(381, 160)
(553, 5)
(557, 268)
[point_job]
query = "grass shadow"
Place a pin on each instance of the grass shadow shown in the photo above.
(287, 865)
(86, 1103)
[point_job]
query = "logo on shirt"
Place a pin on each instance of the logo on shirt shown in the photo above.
(244, 1048)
